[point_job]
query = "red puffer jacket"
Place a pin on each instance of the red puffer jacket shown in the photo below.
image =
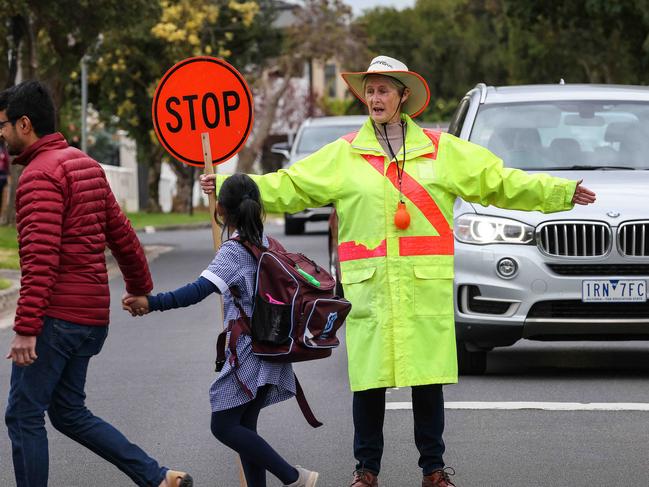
(66, 215)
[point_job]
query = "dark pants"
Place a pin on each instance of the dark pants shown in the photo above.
(428, 413)
(237, 429)
(55, 383)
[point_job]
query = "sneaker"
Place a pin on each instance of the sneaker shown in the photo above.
(364, 478)
(439, 478)
(306, 478)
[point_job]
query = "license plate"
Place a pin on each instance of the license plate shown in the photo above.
(614, 290)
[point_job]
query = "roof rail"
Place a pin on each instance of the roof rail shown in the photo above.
(483, 91)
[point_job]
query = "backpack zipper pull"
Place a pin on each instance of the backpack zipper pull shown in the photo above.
(307, 276)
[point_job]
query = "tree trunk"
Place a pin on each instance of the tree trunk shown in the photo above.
(20, 30)
(151, 155)
(181, 202)
(153, 204)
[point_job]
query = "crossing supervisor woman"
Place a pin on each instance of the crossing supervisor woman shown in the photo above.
(393, 185)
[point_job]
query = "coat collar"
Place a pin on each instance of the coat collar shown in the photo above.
(45, 143)
(417, 142)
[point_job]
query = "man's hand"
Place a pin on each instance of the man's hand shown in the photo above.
(208, 183)
(23, 350)
(583, 196)
(136, 305)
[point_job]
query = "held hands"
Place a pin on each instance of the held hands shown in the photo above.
(583, 196)
(136, 305)
(208, 183)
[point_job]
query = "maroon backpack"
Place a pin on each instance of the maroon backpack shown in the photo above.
(295, 313)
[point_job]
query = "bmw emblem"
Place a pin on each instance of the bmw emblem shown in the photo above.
(613, 214)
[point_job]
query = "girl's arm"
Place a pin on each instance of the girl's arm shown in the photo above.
(187, 295)
(182, 297)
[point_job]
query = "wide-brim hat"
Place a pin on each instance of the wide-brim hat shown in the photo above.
(387, 66)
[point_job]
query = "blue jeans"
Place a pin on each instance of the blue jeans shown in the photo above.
(428, 413)
(55, 383)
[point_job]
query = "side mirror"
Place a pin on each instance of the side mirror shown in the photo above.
(281, 148)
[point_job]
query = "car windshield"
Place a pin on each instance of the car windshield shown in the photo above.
(313, 138)
(564, 135)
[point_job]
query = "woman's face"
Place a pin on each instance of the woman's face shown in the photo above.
(382, 98)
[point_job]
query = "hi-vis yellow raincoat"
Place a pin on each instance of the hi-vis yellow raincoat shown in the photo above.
(400, 282)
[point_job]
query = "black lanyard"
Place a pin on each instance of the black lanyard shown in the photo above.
(394, 156)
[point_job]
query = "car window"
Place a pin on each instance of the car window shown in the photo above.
(313, 138)
(564, 134)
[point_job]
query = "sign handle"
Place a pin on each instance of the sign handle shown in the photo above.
(209, 169)
(216, 237)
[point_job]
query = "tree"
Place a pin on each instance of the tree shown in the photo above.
(322, 30)
(132, 60)
(46, 40)
(452, 43)
(594, 41)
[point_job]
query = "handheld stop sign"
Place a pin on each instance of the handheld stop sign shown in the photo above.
(202, 114)
(202, 95)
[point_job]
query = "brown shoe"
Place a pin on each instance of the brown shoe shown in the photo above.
(364, 478)
(439, 478)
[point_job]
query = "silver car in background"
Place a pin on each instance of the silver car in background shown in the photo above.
(575, 275)
(313, 134)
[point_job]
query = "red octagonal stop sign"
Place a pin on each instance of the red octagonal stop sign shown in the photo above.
(197, 95)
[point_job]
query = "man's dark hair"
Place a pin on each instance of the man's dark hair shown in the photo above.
(32, 100)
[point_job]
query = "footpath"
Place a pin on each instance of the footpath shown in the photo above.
(9, 296)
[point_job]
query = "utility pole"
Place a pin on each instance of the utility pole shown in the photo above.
(84, 103)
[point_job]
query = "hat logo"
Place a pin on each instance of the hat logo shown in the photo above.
(380, 61)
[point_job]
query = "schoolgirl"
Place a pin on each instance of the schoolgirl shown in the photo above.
(234, 413)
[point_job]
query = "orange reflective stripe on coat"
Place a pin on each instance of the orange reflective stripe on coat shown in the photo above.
(354, 251)
(441, 244)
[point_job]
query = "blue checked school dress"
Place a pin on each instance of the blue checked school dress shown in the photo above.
(233, 266)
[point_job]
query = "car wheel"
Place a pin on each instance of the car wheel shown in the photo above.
(470, 362)
(293, 227)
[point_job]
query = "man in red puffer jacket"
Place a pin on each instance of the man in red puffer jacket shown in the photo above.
(66, 215)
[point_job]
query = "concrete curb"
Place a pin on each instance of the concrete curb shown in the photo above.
(184, 226)
(196, 226)
(9, 297)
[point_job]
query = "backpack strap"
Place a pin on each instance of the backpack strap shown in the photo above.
(273, 244)
(304, 405)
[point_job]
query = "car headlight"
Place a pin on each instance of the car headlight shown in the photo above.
(482, 229)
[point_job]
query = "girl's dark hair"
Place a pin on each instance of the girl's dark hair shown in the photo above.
(239, 196)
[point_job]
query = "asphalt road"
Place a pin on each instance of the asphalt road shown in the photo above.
(152, 377)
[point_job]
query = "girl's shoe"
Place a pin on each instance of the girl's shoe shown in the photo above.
(306, 478)
(175, 478)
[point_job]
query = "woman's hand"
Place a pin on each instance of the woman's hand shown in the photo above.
(583, 195)
(208, 183)
(136, 305)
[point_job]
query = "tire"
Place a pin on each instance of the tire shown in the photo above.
(470, 362)
(293, 226)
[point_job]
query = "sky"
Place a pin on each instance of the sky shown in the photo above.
(360, 5)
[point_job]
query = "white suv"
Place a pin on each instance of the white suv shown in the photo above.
(576, 275)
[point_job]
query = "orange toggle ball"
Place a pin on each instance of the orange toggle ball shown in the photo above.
(402, 217)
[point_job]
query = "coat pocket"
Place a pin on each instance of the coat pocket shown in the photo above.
(360, 291)
(433, 290)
